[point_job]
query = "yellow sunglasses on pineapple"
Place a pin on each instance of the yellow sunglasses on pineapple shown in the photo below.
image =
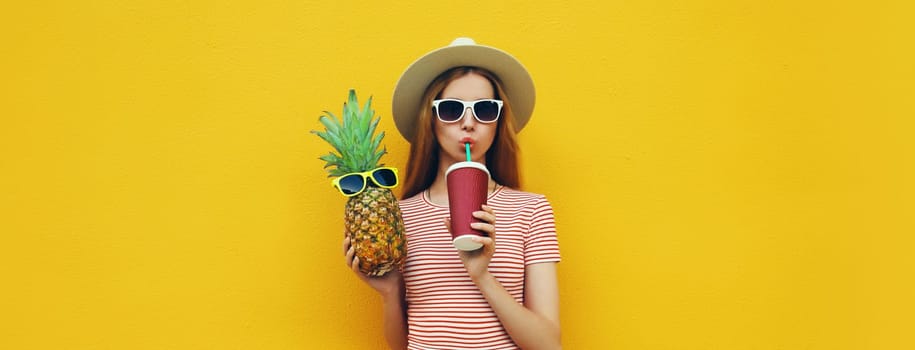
(354, 183)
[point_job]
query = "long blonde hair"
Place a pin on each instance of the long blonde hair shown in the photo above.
(501, 158)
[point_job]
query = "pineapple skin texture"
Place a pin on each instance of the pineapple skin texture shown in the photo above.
(374, 224)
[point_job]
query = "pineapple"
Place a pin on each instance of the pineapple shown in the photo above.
(372, 218)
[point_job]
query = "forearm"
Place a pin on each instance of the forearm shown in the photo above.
(527, 329)
(395, 321)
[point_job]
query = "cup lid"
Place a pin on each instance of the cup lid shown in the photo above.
(466, 164)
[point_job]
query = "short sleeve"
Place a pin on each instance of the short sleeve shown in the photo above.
(541, 244)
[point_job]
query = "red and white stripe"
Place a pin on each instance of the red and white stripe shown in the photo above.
(445, 310)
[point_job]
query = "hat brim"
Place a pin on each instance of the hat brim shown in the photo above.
(413, 82)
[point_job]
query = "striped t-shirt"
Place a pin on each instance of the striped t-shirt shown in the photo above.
(445, 309)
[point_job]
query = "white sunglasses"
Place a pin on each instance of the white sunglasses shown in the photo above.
(451, 110)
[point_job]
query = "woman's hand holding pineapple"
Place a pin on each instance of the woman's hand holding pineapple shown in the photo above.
(389, 285)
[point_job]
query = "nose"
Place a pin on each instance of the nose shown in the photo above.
(467, 120)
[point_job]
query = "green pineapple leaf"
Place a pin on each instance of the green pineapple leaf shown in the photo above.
(330, 121)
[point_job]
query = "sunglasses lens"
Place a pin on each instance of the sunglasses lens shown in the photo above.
(384, 177)
(351, 184)
(486, 111)
(450, 111)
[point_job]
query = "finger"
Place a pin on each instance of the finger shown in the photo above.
(485, 216)
(349, 256)
(487, 242)
(355, 265)
(490, 229)
(448, 224)
(346, 244)
(488, 209)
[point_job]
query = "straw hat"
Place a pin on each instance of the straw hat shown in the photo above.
(462, 52)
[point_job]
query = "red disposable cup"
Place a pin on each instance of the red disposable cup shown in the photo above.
(468, 184)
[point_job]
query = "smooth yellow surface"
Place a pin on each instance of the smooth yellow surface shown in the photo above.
(725, 174)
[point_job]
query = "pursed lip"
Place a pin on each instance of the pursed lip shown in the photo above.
(467, 140)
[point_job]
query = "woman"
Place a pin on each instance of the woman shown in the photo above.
(504, 295)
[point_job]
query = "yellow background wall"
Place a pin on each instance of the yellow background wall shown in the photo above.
(726, 174)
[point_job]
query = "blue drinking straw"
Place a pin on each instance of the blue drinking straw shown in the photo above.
(467, 148)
